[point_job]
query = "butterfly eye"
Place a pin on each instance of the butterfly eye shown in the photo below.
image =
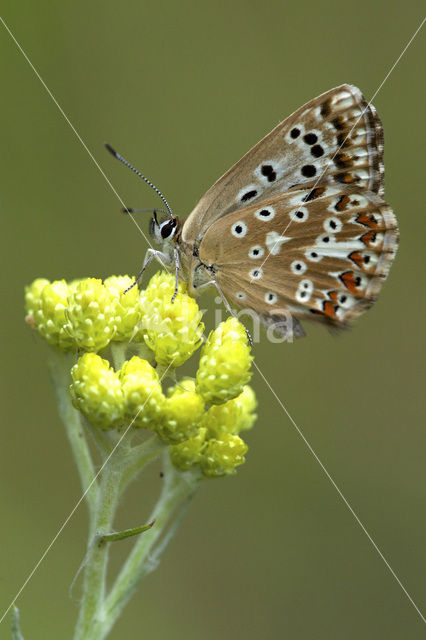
(167, 228)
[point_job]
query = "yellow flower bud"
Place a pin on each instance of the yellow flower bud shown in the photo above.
(49, 314)
(96, 391)
(247, 404)
(173, 330)
(181, 413)
(220, 457)
(127, 310)
(225, 363)
(189, 453)
(33, 299)
(232, 417)
(91, 315)
(143, 396)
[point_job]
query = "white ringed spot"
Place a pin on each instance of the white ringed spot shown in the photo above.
(240, 295)
(298, 267)
(249, 192)
(256, 274)
(312, 255)
(256, 251)
(266, 213)
(295, 133)
(271, 297)
(333, 225)
(304, 290)
(301, 214)
(239, 229)
(268, 172)
(325, 240)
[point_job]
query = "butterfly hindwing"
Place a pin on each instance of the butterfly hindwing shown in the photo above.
(320, 253)
(335, 138)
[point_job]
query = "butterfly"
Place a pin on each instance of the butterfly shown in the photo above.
(298, 227)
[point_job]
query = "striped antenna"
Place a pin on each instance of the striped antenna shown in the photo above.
(138, 173)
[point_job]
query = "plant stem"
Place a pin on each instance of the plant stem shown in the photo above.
(177, 490)
(97, 554)
(118, 353)
(123, 466)
(59, 369)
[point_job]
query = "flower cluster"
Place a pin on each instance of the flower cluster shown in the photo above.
(199, 419)
(84, 314)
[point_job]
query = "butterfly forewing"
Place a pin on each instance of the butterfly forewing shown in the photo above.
(334, 139)
(318, 252)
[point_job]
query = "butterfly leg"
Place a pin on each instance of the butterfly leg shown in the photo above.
(149, 257)
(226, 303)
(177, 267)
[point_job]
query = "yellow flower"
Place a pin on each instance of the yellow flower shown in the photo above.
(96, 391)
(143, 396)
(231, 417)
(33, 299)
(225, 363)
(127, 310)
(91, 315)
(221, 456)
(88, 314)
(173, 329)
(181, 413)
(189, 453)
(48, 312)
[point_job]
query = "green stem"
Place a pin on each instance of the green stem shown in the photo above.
(16, 626)
(118, 353)
(97, 554)
(177, 490)
(59, 368)
(138, 457)
(123, 466)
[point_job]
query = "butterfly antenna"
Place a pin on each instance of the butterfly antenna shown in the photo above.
(131, 210)
(138, 173)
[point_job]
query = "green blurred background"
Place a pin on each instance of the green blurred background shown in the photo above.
(183, 89)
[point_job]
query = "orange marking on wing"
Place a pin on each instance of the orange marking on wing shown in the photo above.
(343, 160)
(348, 178)
(368, 238)
(329, 308)
(367, 220)
(349, 280)
(333, 296)
(357, 258)
(342, 203)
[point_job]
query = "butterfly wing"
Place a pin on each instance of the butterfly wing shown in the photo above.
(320, 253)
(335, 138)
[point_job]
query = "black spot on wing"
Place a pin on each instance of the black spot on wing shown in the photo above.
(248, 195)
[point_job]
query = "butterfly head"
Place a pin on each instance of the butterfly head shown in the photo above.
(165, 231)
